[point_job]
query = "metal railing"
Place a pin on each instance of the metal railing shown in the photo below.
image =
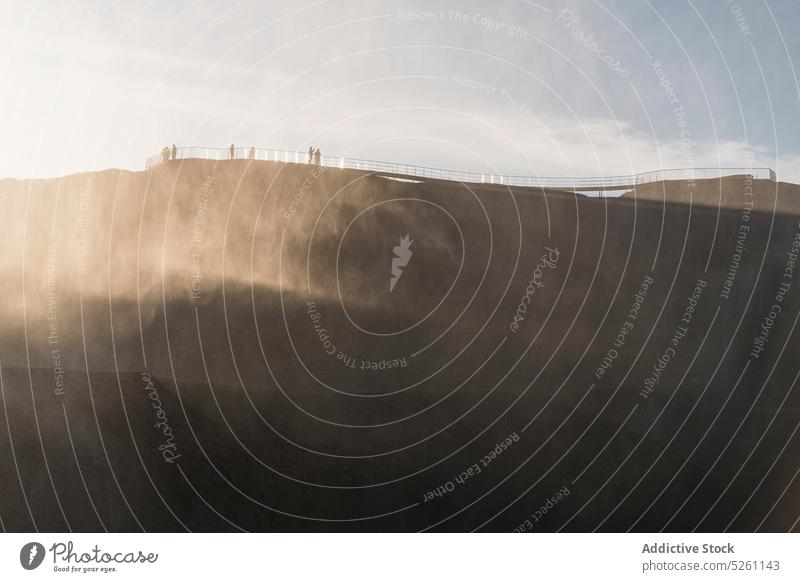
(594, 183)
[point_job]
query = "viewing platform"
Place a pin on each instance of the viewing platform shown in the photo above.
(599, 184)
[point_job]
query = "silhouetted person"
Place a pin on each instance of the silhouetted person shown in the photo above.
(165, 154)
(174, 152)
(310, 155)
(252, 153)
(317, 157)
(232, 154)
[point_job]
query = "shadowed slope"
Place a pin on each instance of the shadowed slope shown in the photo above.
(301, 395)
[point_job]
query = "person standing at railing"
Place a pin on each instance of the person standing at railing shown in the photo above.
(165, 155)
(174, 152)
(232, 153)
(310, 154)
(317, 157)
(252, 153)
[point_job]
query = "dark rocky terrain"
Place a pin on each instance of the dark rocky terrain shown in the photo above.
(213, 346)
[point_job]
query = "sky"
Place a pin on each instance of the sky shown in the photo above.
(572, 88)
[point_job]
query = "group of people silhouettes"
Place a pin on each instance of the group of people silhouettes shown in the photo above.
(251, 153)
(168, 154)
(314, 156)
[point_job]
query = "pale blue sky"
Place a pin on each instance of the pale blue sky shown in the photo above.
(93, 84)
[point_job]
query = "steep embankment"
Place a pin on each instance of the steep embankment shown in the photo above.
(214, 345)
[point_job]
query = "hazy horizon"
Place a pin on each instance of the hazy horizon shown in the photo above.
(555, 89)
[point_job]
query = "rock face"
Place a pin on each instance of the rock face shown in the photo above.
(220, 346)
